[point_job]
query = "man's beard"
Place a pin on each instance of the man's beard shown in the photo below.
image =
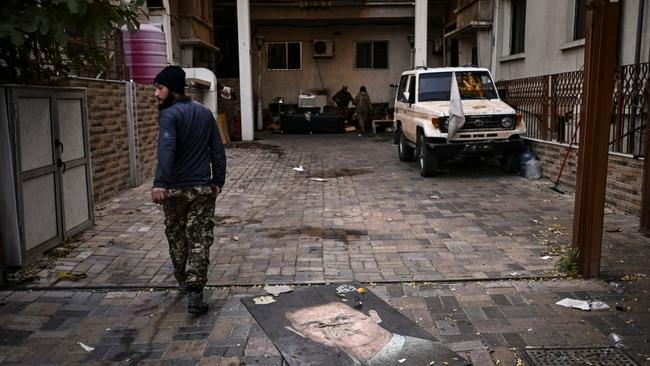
(167, 102)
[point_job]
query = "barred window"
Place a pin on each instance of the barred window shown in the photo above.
(371, 55)
(518, 29)
(284, 55)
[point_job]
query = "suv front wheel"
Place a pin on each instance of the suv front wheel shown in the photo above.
(427, 158)
(404, 150)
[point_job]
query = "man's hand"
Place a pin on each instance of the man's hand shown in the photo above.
(215, 190)
(158, 195)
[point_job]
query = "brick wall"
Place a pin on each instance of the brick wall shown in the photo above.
(107, 129)
(147, 131)
(624, 174)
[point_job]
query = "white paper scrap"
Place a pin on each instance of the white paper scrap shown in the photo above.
(264, 300)
(87, 348)
(598, 305)
(546, 257)
(299, 169)
(573, 303)
(318, 179)
(277, 289)
(345, 289)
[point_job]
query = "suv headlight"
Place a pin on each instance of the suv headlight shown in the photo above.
(507, 122)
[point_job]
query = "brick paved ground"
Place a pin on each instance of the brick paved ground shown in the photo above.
(374, 220)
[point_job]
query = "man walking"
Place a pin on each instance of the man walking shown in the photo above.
(190, 173)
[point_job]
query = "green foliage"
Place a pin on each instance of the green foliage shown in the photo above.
(40, 39)
(568, 263)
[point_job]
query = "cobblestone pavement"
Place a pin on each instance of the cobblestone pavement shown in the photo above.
(374, 219)
(459, 254)
(482, 321)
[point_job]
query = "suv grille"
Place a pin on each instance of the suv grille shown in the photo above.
(480, 123)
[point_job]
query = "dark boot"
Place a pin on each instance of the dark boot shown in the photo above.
(195, 304)
(182, 288)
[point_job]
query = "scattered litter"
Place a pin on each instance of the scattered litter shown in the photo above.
(546, 257)
(277, 289)
(401, 360)
(632, 277)
(86, 347)
(582, 304)
(235, 238)
(345, 289)
(361, 290)
(318, 179)
(598, 305)
(613, 230)
(618, 287)
(513, 274)
(435, 197)
(299, 169)
(264, 300)
(71, 276)
(572, 303)
(616, 340)
(229, 221)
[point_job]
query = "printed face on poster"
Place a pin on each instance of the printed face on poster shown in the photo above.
(339, 324)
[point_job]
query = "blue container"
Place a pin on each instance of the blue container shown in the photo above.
(524, 158)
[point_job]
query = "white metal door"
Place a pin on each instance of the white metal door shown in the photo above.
(53, 164)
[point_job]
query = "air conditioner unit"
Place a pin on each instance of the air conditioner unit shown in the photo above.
(323, 48)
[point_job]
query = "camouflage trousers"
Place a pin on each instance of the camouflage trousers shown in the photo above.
(189, 221)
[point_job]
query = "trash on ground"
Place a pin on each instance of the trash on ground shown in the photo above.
(582, 304)
(616, 340)
(71, 276)
(299, 169)
(229, 221)
(264, 300)
(86, 347)
(618, 287)
(613, 230)
(401, 360)
(546, 257)
(318, 179)
(435, 197)
(513, 274)
(345, 289)
(632, 277)
(276, 290)
(235, 238)
(533, 169)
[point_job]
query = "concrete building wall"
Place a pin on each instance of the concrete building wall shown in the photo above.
(332, 73)
(549, 44)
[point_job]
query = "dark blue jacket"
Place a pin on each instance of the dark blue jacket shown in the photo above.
(190, 151)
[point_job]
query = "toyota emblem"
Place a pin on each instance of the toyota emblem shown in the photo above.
(479, 123)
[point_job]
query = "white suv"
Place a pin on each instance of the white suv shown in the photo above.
(492, 128)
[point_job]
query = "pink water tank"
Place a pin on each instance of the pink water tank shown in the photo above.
(144, 52)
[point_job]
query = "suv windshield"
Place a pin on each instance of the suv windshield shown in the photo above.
(471, 85)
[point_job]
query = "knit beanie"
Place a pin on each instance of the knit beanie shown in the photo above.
(173, 77)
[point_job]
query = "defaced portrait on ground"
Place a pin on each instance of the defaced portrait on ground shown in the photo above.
(345, 324)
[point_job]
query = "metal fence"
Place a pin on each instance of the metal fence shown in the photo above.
(112, 49)
(551, 106)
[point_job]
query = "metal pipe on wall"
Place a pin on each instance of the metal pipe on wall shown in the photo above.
(639, 32)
